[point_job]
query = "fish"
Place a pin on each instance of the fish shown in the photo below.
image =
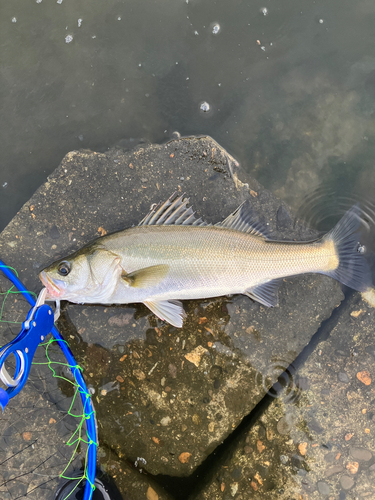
(172, 256)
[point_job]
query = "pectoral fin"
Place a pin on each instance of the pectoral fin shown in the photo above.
(148, 276)
(266, 293)
(168, 310)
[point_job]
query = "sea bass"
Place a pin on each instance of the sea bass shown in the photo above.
(172, 256)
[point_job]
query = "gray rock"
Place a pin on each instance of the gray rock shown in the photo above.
(346, 482)
(360, 454)
(323, 488)
(333, 469)
(343, 377)
(127, 353)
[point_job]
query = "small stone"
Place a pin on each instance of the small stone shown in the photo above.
(211, 427)
(254, 485)
(346, 482)
(342, 376)
(270, 434)
(151, 494)
(26, 436)
(302, 447)
(348, 436)
(196, 419)
(236, 473)
(329, 458)
(364, 377)
(258, 478)
(352, 467)
(323, 488)
(355, 314)
(260, 446)
(361, 454)
(165, 421)
(102, 231)
(172, 370)
(233, 489)
(138, 374)
(333, 469)
(195, 355)
(315, 426)
(184, 457)
(284, 459)
(283, 426)
(119, 379)
(297, 461)
(54, 233)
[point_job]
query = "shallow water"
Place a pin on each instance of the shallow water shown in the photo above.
(288, 89)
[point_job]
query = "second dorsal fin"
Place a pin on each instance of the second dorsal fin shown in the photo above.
(173, 211)
(244, 219)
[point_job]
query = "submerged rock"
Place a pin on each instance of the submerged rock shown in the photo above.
(312, 441)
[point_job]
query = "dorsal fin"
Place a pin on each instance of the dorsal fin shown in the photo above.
(243, 219)
(173, 211)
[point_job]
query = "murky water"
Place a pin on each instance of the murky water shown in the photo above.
(288, 89)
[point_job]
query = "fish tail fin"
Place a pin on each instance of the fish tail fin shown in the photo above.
(352, 270)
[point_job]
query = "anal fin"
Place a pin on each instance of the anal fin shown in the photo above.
(171, 311)
(266, 293)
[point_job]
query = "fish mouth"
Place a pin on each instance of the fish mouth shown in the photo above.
(53, 290)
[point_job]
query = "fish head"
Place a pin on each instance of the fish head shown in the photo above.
(89, 275)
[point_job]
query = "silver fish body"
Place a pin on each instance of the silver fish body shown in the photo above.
(171, 256)
(209, 261)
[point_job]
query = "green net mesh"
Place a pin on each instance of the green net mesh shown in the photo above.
(43, 438)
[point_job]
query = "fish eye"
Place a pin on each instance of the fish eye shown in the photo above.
(64, 268)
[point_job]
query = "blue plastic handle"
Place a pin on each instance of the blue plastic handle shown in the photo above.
(23, 348)
(85, 396)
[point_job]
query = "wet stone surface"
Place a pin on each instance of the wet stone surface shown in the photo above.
(167, 395)
(318, 442)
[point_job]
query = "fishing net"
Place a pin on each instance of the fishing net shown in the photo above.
(43, 434)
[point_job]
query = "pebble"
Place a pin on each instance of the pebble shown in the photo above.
(139, 374)
(342, 376)
(184, 457)
(233, 489)
(284, 459)
(323, 488)
(330, 457)
(352, 467)
(365, 377)
(302, 447)
(236, 474)
(346, 482)
(283, 426)
(333, 469)
(361, 454)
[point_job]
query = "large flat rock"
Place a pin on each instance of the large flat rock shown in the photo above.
(166, 395)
